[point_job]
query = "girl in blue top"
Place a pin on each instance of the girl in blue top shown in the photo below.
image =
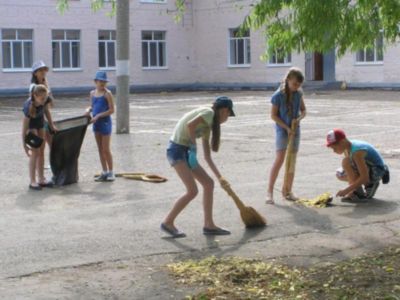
(361, 166)
(102, 107)
(287, 107)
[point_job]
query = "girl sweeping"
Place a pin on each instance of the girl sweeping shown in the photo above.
(33, 135)
(102, 107)
(182, 155)
(287, 107)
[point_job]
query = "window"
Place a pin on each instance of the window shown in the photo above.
(153, 1)
(239, 48)
(279, 58)
(371, 55)
(17, 46)
(153, 49)
(107, 49)
(66, 49)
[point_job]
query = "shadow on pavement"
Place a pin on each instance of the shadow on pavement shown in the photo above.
(371, 207)
(309, 217)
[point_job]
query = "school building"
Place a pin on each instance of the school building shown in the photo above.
(201, 51)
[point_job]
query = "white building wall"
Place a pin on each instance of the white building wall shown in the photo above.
(197, 47)
(387, 71)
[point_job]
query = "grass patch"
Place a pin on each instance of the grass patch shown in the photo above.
(375, 276)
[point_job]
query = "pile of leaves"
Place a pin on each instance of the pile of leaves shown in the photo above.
(374, 276)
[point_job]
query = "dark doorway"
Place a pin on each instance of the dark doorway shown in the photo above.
(314, 66)
(318, 66)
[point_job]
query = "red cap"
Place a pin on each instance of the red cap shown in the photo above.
(334, 136)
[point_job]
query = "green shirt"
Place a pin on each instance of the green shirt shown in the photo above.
(181, 132)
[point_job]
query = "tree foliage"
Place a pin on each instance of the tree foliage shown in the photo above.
(315, 25)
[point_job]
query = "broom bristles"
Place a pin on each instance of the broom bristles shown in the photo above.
(251, 218)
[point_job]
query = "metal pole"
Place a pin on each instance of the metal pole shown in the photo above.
(122, 66)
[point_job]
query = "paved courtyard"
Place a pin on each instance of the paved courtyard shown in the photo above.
(102, 240)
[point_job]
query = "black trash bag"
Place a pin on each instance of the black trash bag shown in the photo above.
(65, 149)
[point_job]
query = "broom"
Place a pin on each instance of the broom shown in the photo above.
(250, 217)
(140, 176)
(290, 160)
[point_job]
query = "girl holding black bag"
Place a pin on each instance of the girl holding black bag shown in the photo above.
(33, 135)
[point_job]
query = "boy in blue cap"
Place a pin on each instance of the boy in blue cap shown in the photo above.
(182, 155)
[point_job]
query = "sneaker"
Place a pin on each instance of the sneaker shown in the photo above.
(352, 198)
(101, 178)
(110, 176)
(360, 193)
(370, 189)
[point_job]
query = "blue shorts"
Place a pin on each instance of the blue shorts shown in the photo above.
(177, 153)
(281, 141)
(103, 127)
(375, 172)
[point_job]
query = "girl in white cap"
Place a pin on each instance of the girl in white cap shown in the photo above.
(182, 155)
(39, 76)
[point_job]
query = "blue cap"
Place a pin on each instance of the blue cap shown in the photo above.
(39, 65)
(223, 101)
(101, 76)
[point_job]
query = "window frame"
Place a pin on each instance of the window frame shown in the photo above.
(11, 42)
(158, 42)
(106, 42)
(247, 55)
(70, 41)
(153, 1)
(286, 63)
(375, 62)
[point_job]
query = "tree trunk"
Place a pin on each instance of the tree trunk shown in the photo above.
(122, 66)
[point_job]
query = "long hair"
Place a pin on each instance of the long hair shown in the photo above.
(297, 74)
(216, 130)
(35, 80)
(37, 90)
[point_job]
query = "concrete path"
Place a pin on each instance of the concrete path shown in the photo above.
(102, 240)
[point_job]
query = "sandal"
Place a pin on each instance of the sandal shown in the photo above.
(35, 187)
(291, 197)
(175, 233)
(215, 231)
(270, 199)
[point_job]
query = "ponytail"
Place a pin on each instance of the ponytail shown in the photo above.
(292, 73)
(216, 130)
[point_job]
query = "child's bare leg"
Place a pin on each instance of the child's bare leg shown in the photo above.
(352, 175)
(99, 141)
(40, 159)
(106, 141)
(208, 197)
(32, 166)
(279, 160)
(183, 171)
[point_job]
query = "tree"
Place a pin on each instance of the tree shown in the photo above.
(315, 25)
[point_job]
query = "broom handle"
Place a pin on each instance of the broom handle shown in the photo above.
(240, 205)
(289, 153)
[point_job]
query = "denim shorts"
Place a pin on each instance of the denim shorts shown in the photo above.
(375, 172)
(176, 153)
(281, 141)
